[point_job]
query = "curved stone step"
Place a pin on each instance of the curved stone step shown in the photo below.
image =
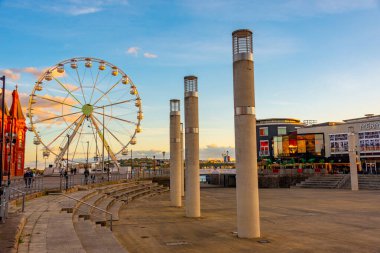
(68, 204)
(125, 191)
(98, 216)
(96, 239)
(83, 210)
(48, 229)
(114, 209)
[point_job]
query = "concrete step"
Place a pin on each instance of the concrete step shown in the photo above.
(61, 235)
(128, 190)
(111, 243)
(115, 188)
(374, 187)
(126, 186)
(95, 239)
(98, 216)
(114, 209)
(135, 194)
(48, 229)
(70, 204)
(83, 210)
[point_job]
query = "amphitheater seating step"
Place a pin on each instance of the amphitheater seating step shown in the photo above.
(58, 224)
(95, 239)
(84, 210)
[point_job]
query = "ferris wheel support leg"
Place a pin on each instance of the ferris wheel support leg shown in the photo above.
(101, 136)
(63, 151)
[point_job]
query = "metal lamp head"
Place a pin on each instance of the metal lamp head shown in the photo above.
(191, 86)
(242, 48)
(175, 106)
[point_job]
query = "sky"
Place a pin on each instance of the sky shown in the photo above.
(314, 59)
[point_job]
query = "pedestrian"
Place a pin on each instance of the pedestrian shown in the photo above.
(66, 176)
(26, 175)
(30, 178)
(86, 174)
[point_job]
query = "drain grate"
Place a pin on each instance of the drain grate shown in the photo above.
(177, 243)
(263, 241)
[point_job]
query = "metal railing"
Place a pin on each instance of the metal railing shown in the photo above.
(343, 182)
(92, 206)
(23, 197)
(27, 185)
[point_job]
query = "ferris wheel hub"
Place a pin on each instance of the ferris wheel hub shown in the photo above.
(87, 109)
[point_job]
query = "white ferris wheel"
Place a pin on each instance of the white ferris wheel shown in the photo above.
(84, 108)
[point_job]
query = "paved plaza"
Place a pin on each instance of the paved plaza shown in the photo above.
(292, 220)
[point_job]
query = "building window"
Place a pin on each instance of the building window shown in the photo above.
(264, 148)
(338, 143)
(369, 141)
(19, 162)
(281, 130)
(263, 131)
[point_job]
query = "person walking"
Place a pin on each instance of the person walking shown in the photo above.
(26, 175)
(86, 174)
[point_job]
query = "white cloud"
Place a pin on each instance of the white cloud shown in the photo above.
(68, 7)
(83, 10)
(149, 55)
(133, 50)
(11, 74)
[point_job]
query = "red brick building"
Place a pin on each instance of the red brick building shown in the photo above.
(15, 129)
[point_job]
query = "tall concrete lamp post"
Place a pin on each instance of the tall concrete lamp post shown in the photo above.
(175, 153)
(247, 193)
(182, 167)
(193, 205)
(352, 155)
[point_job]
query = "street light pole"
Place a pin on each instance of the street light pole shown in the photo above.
(67, 155)
(2, 133)
(10, 152)
(87, 155)
(131, 162)
(108, 161)
(67, 165)
(103, 142)
(154, 165)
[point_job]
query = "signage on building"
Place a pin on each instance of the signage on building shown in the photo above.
(370, 126)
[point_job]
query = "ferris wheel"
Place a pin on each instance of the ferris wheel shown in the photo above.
(82, 108)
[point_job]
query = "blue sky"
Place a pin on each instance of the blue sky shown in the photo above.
(315, 59)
